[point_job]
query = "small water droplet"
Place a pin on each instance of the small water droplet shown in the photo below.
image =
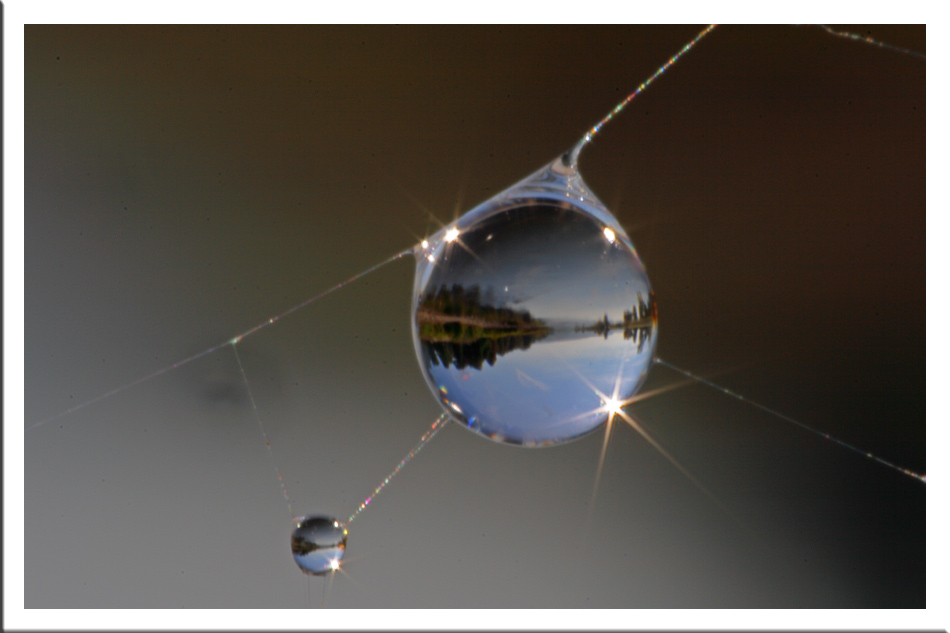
(318, 543)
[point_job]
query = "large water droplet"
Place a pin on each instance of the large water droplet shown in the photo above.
(318, 543)
(533, 315)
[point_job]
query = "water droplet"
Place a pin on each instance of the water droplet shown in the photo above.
(318, 543)
(532, 311)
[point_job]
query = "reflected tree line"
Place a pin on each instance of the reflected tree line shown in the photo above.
(637, 324)
(302, 546)
(461, 327)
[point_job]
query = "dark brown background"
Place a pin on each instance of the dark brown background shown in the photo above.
(184, 184)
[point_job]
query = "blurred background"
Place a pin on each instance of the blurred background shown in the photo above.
(184, 184)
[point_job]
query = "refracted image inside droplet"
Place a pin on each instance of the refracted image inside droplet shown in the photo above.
(533, 313)
(318, 543)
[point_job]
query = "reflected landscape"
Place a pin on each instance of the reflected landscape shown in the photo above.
(532, 312)
(457, 329)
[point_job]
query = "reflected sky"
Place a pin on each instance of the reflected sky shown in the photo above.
(552, 261)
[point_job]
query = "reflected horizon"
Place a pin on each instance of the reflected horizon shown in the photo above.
(461, 327)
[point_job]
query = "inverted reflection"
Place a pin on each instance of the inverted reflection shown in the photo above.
(530, 308)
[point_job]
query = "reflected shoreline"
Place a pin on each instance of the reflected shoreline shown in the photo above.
(457, 328)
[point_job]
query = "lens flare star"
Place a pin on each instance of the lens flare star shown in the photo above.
(613, 405)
